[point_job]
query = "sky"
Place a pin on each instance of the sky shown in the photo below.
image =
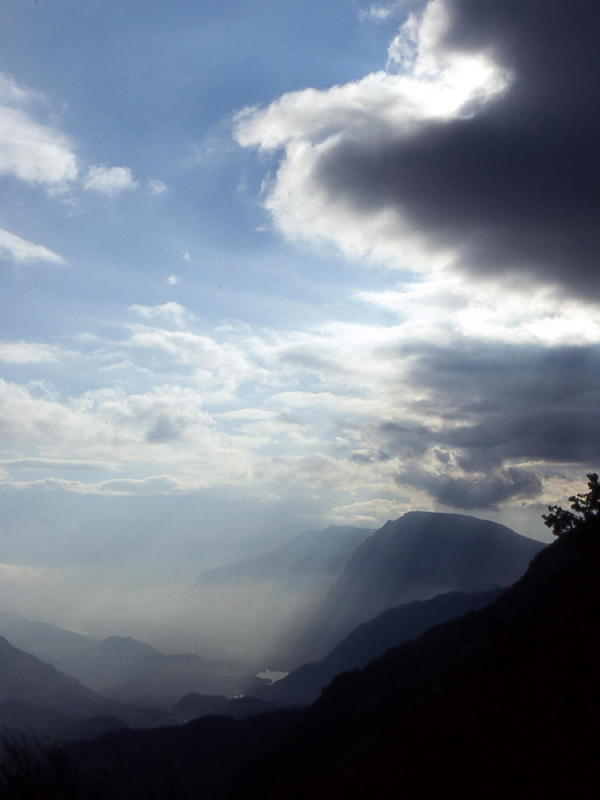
(267, 267)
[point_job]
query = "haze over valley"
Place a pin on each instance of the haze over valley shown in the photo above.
(299, 387)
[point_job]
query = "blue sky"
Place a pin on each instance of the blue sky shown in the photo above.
(270, 266)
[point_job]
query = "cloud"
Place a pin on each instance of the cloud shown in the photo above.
(473, 150)
(28, 352)
(484, 491)
(18, 574)
(380, 12)
(156, 188)
(157, 484)
(172, 280)
(167, 312)
(218, 367)
(487, 421)
(30, 150)
(426, 410)
(446, 306)
(58, 464)
(109, 180)
(13, 248)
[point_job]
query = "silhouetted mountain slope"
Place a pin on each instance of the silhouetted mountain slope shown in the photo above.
(16, 716)
(372, 639)
(28, 680)
(415, 557)
(195, 760)
(25, 677)
(502, 702)
(196, 705)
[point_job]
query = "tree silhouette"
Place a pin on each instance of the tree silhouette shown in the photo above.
(585, 504)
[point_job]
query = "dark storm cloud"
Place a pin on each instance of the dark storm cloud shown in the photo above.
(498, 405)
(516, 186)
(471, 494)
(493, 375)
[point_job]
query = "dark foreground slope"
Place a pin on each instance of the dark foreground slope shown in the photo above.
(370, 640)
(415, 557)
(502, 702)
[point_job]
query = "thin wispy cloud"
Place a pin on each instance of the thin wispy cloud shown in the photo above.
(156, 187)
(28, 352)
(167, 312)
(20, 251)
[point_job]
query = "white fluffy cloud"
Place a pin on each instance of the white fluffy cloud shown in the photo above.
(313, 128)
(109, 180)
(30, 150)
(347, 414)
(20, 251)
(446, 307)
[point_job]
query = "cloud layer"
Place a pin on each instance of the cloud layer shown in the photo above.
(474, 149)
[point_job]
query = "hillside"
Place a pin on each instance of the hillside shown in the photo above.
(502, 702)
(372, 639)
(30, 689)
(124, 668)
(24, 677)
(416, 557)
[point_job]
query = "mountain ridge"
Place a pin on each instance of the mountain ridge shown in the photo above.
(418, 556)
(503, 700)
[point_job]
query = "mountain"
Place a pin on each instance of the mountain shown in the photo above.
(502, 702)
(133, 672)
(372, 639)
(126, 669)
(198, 759)
(24, 677)
(321, 552)
(49, 642)
(196, 705)
(31, 688)
(249, 609)
(17, 716)
(416, 557)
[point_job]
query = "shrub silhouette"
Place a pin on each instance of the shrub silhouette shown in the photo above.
(585, 504)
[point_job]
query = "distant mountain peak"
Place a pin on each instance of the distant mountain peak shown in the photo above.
(415, 557)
